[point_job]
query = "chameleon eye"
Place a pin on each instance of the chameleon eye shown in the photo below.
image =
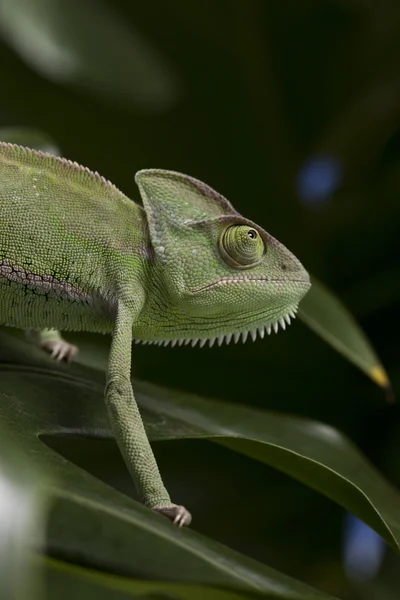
(241, 246)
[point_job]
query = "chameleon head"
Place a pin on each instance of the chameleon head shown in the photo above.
(216, 275)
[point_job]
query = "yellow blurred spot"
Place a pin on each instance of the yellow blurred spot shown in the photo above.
(379, 375)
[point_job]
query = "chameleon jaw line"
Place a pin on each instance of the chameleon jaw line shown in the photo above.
(260, 331)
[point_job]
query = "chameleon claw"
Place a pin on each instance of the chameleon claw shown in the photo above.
(177, 514)
(60, 349)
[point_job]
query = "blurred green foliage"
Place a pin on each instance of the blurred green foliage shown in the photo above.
(292, 110)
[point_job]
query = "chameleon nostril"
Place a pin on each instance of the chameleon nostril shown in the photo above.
(283, 267)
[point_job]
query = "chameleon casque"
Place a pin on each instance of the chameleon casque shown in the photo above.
(77, 254)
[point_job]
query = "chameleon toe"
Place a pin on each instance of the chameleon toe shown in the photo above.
(179, 515)
(60, 350)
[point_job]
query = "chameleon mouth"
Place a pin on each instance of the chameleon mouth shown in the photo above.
(260, 331)
(241, 278)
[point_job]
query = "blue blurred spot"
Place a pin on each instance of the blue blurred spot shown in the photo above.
(318, 179)
(363, 550)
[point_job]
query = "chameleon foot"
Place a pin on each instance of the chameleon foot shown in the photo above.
(59, 349)
(178, 514)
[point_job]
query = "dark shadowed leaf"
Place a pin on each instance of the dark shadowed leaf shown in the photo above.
(56, 400)
(65, 581)
(323, 312)
(311, 452)
(38, 398)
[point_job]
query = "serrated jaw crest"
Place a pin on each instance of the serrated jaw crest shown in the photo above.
(282, 322)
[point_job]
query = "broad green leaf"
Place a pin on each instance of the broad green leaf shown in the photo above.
(37, 398)
(87, 45)
(65, 581)
(314, 453)
(325, 314)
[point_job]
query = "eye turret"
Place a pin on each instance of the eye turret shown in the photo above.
(242, 246)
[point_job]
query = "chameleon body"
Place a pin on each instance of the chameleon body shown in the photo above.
(77, 254)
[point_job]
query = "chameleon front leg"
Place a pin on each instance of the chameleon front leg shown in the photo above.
(52, 342)
(127, 425)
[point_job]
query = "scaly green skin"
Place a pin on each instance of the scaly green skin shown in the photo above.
(76, 254)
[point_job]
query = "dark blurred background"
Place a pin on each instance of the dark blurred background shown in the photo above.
(291, 109)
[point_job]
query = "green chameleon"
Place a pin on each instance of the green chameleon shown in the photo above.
(77, 254)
